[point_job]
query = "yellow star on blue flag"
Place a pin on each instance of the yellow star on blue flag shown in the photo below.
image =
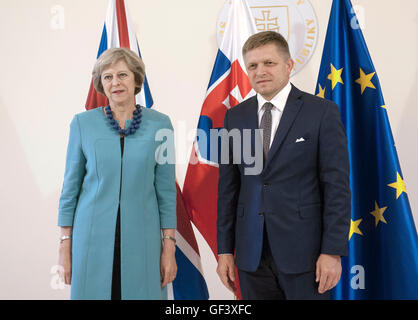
(321, 92)
(378, 214)
(399, 185)
(335, 76)
(365, 80)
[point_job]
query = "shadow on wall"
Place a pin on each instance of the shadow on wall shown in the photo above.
(407, 133)
(28, 231)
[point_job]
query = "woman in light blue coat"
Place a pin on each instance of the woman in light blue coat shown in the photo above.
(117, 210)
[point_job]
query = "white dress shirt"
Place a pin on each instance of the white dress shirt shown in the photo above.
(278, 102)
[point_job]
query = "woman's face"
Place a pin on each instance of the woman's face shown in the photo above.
(119, 83)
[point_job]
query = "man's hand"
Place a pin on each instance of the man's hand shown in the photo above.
(328, 271)
(226, 270)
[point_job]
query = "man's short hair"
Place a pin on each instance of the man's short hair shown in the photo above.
(266, 37)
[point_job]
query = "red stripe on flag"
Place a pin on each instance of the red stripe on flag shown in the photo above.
(200, 192)
(122, 24)
(184, 227)
(95, 99)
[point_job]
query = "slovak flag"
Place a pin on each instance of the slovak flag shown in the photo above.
(189, 283)
(228, 86)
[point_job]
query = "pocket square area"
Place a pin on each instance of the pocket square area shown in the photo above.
(299, 140)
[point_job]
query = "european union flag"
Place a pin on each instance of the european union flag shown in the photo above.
(383, 242)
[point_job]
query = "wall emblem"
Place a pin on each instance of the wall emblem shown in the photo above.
(294, 19)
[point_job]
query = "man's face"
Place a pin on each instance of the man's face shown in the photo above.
(268, 70)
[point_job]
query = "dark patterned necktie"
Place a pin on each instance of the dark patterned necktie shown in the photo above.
(266, 126)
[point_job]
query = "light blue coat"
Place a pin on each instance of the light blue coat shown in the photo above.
(95, 178)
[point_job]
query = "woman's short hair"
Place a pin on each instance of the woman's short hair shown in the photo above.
(114, 55)
(266, 37)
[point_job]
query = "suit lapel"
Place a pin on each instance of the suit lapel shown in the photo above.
(253, 122)
(290, 112)
(252, 116)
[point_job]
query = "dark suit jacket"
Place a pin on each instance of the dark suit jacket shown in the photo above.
(302, 195)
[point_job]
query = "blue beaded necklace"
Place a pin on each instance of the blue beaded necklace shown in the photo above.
(134, 125)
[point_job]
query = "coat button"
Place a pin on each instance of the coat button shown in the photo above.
(265, 184)
(261, 213)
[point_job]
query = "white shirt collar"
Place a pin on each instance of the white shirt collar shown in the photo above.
(278, 101)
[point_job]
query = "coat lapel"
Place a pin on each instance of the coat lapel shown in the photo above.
(290, 112)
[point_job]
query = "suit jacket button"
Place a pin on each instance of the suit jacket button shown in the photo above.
(261, 213)
(265, 184)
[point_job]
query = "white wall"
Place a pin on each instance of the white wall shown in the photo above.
(44, 80)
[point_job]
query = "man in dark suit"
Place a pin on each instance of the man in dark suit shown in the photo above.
(289, 224)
